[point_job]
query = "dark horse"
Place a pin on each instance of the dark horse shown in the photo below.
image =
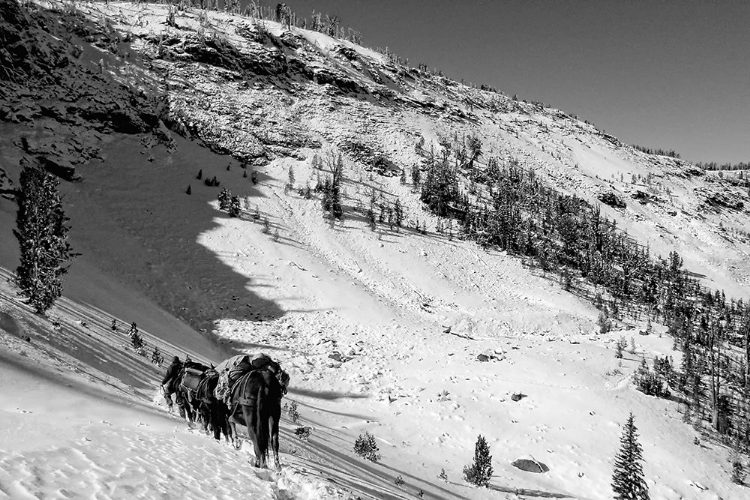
(256, 404)
(213, 411)
(186, 401)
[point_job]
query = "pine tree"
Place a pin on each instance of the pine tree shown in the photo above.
(628, 482)
(398, 213)
(443, 476)
(42, 236)
(416, 176)
(738, 470)
(480, 471)
(234, 208)
(224, 199)
(188, 190)
(371, 218)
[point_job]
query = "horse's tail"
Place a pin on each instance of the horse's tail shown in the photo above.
(261, 422)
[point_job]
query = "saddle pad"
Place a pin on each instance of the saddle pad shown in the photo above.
(191, 379)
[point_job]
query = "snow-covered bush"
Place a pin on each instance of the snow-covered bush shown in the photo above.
(366, 447)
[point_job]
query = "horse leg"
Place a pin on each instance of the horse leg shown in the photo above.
(168, 399)
(205, 412)
(274, 425)
(250, 420)
(223, 418)
(232, 425)
(181, 409)
(215, 417)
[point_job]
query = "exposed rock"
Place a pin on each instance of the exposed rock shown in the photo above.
(530, 465)
(725, 201)
(60, 167)
(641, 196)
(611, 199)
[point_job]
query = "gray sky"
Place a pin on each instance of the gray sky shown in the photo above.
(670, 74)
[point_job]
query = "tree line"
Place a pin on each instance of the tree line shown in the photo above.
(657, 151)
(504, 206)
(723, 166)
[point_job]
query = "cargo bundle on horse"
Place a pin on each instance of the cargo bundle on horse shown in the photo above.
(190, 377)
(182, 380)
(213, 411)
(256, 386)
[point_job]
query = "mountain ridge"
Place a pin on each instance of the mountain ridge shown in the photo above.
(371, 324)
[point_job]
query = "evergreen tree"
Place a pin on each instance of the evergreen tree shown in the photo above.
(628, 482)
(416, 176)
(738, 470)
(371, 218)
(234, 208)
(398, 213)
(224, 199)
(443, 476)
(42, 236)
(480, 471)
(156, 357)
(137, 341)
(332, 191)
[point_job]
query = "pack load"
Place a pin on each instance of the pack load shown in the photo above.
(230, 371)
(192, 378)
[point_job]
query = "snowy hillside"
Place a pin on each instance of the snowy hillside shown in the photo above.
(421, 339)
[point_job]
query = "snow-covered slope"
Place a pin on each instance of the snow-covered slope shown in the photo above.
(381, 330)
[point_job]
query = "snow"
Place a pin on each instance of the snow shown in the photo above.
(65, 437)
(380, 331)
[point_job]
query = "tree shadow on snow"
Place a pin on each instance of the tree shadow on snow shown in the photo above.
(528, 493)
(327, 395)
(358, 474)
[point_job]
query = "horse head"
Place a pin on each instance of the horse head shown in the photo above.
(283, 379)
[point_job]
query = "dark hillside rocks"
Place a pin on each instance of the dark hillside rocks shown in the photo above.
(120, 119)
(725, 201)
(611, 199)
(59, 167)
(642, 197)
(348, 53)
(20, 56)
(373, 161)
(42, 73)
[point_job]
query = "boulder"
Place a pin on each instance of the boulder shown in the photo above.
(611, 199)
(529, 464)
(59, 167)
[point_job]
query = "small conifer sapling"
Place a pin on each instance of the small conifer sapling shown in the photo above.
(479, 472)
(628, 482)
